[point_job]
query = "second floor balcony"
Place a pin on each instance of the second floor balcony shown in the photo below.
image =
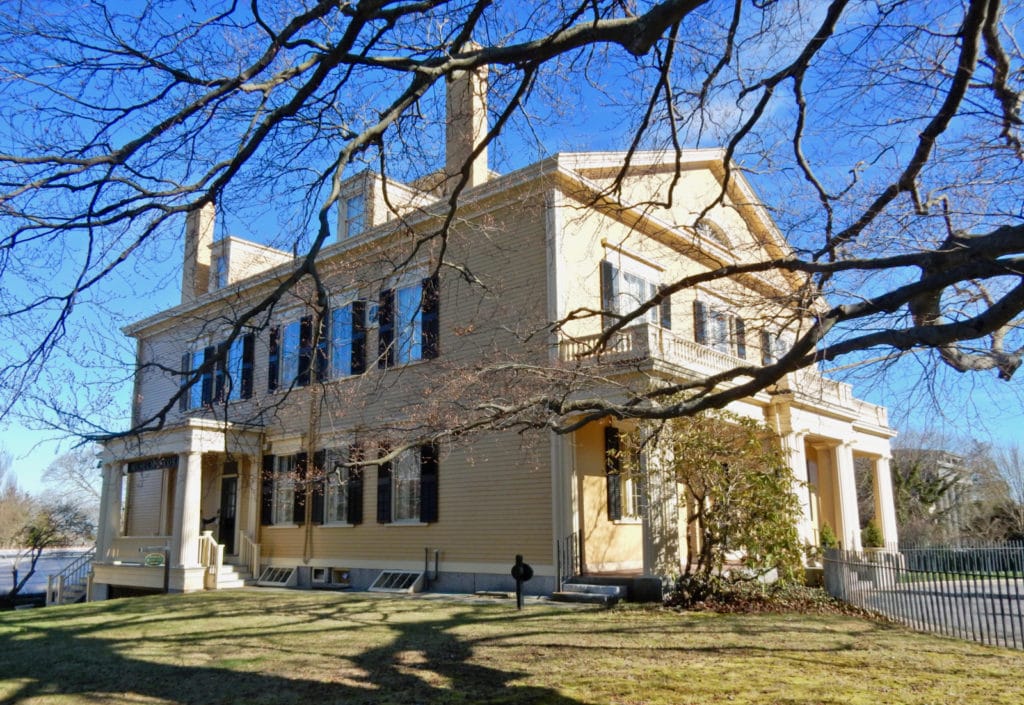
(668, 353)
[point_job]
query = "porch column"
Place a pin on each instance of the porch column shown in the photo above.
(187, 496)
(846, 481)
(660, 515)
(794, 446)
(109, 527)
(564, 515)
(885, 505)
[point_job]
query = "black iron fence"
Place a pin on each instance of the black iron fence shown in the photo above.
(974, 593)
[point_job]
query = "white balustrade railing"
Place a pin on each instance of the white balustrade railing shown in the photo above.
(211, 557)
(645, 341)
(249, 553)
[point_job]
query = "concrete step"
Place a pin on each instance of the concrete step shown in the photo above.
(234, 572)
(230, 584)
(589, 598)
(618, 591)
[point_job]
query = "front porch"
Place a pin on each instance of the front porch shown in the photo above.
(179, 510)
(622, 529)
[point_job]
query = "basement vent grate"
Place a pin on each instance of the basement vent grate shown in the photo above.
(398, 581)
(277, 577)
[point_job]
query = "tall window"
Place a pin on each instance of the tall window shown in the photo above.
(623, 291)
(220, 271)
(234, 378)
(342, 491)
(717, 328)
(228, 379)
(407, 488)
(290, 354)
(283, 491)
(355, 215)
(773, 347)
(409, 323)
(348, 340)
(200, 393)
(624, 488)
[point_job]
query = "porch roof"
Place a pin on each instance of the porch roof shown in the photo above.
(193, 435)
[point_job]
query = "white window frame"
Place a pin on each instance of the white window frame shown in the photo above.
(220, 271)
(720, 329)
(336, 306)
(355, 214)
(406, 487)
(630, 493)
(779, 345)
(645, 276)
(336, 487)
(283, 513)
(234, 360)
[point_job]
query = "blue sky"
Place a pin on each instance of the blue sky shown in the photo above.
(586, 119)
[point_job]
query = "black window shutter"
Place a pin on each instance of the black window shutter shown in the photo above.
(355, 486)
(358, 327)
(741, 337)
(323, 369)
(267, 492)
(206, 381)
(220, 392)
(430, 303)
(186, 365)
(319, 485)
(613, 472)
(386, 331)
(607, 293)
(273, 358)
(428, 483)
(665, 311)
(305, 350)
(384, 491)
(248, 363)
(767, 354)
(700, 323)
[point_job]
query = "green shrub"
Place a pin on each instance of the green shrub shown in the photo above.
(827, 537)
(871, 536)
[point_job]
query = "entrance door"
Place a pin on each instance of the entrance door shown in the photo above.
(228, 505)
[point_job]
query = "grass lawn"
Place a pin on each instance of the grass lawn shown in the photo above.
(277, 646)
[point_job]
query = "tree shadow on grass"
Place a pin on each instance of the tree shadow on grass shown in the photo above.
(219, 650)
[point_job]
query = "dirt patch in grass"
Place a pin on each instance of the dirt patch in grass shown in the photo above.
(276, 646)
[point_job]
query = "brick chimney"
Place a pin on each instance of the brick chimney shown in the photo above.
(195, 273)
(466, 125)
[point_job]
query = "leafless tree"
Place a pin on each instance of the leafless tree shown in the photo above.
(890, 130)
(1010, 461)
(75, 477)
(16, 505)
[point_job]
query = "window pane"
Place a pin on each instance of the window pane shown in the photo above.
(631, 291)
(406, 480)
(341, 341)
(284, 490)
(336, 501)
(355, 210)
(290, 353)
(408, 325)
(234, 380)
(719, 331)
(195, 392)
